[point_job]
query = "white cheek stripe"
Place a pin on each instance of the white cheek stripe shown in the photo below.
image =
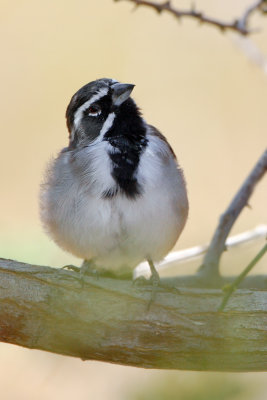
(107, 125)
(79, 113)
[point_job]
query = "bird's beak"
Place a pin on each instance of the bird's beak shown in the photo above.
(121, 92)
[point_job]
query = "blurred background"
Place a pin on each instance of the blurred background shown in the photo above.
(206, 91)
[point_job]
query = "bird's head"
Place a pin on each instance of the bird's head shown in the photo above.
(94, 108)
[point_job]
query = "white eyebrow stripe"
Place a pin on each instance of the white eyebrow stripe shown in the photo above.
(79, 113)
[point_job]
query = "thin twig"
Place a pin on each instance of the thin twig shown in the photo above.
(239, 25)
(233, 286)
(176, 257)
(210, 266)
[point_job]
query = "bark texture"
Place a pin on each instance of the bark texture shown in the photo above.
(108, 320)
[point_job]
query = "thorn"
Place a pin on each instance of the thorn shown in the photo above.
(249, 206)
(167, 4)
(200, 21)
(225, 248)
(240, 25)
(237, 23)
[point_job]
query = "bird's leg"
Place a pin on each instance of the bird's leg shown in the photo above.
(155, 280)
(88, 268)
(157, 283)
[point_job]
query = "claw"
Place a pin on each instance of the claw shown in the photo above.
(85, 269)
(71, 268)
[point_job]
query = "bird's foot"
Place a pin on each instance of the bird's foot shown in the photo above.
(152, 284)
(88, 268)
(155, 283)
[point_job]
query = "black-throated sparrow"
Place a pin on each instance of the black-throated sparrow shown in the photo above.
(116, 195)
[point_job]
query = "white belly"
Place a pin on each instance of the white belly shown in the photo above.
(118, 233)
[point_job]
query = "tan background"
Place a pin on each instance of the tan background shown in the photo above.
(193, 83)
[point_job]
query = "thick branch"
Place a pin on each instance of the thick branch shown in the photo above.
(107, 320)
(239, 25)
(210, 265)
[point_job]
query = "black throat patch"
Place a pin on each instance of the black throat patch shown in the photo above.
(127, 136)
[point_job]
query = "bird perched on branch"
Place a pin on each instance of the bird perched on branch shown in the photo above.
(116, 195)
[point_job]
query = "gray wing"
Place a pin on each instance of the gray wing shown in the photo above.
(155, 132)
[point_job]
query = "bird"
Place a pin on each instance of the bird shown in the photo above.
(116, 195)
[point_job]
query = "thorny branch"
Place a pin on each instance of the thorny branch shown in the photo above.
(239, 25)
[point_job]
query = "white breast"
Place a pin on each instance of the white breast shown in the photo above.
(118, 232)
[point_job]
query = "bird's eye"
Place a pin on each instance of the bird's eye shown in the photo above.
(94, 110)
